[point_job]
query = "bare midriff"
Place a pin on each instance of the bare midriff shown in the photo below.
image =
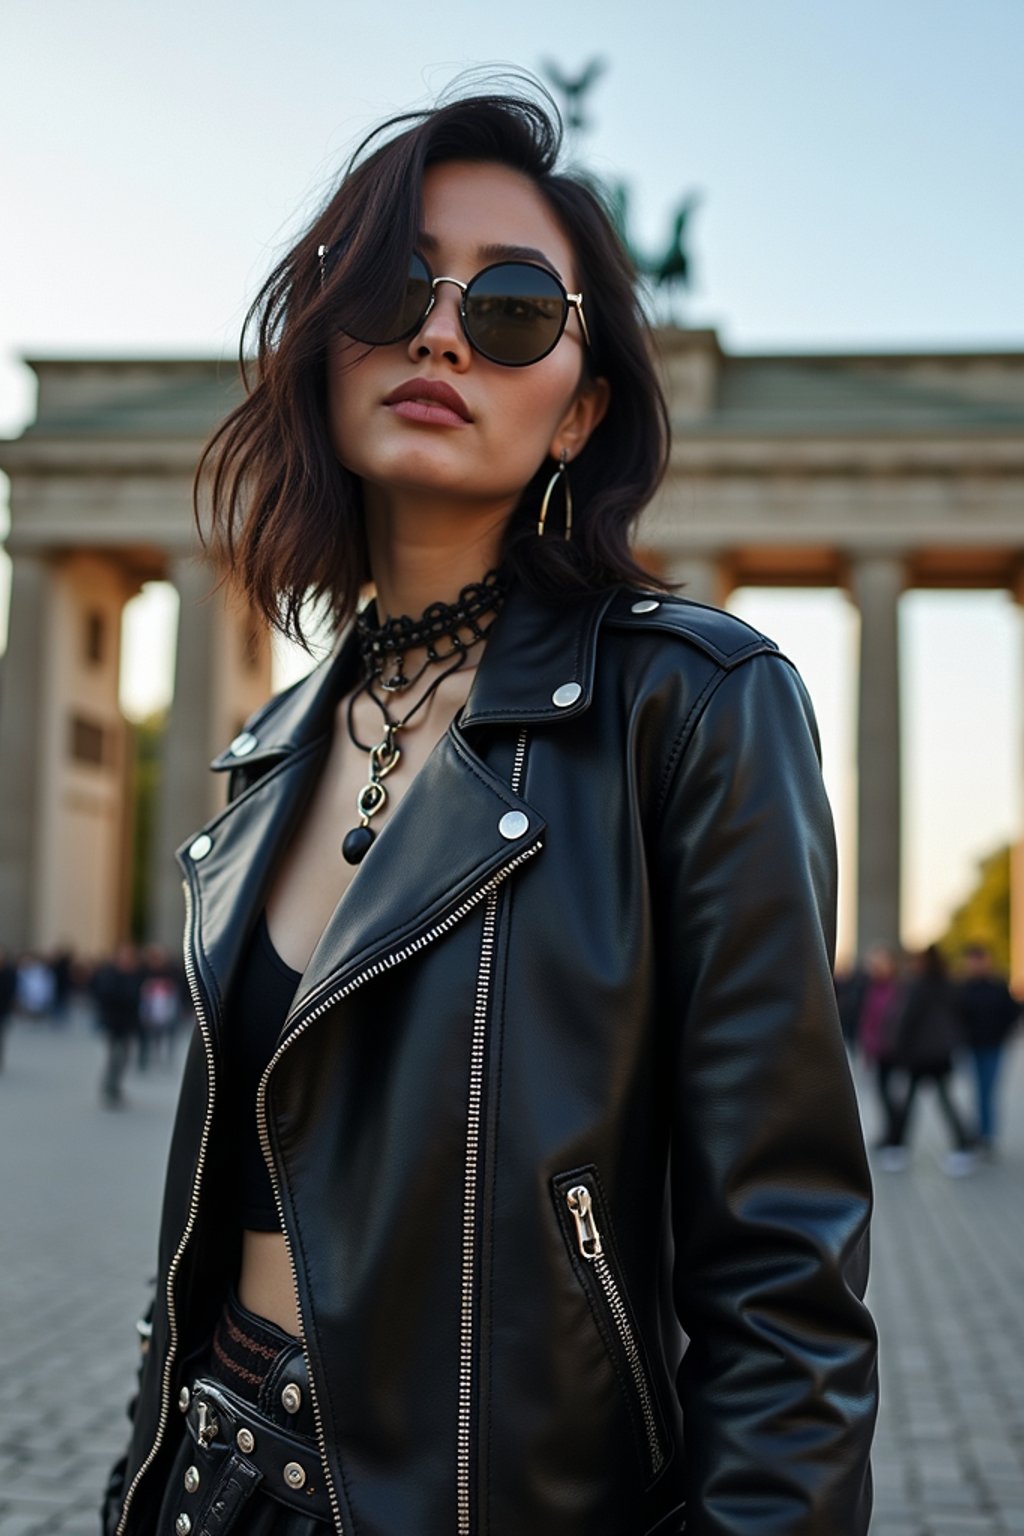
(306, 888)
(265, 1282)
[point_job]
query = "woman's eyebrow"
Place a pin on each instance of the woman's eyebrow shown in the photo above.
(496, 252)
(515, 253)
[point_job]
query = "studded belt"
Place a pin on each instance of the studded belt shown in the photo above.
(238, 1450)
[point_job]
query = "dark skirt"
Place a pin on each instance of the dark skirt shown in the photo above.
(248, 1463)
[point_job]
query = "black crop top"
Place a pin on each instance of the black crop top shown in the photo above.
(257, 1009)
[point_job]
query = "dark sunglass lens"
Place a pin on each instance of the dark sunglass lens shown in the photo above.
(514, 312)
(393, 321)
(415, 298)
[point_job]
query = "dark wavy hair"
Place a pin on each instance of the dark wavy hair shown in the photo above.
(285, 517)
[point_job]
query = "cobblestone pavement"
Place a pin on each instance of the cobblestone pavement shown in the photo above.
(78, 1217)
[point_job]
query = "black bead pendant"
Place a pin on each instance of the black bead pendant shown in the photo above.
(356, 844)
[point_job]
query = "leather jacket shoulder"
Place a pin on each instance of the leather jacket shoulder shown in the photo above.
(561, 1110)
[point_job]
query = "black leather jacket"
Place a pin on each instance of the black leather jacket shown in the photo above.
(563, 1079)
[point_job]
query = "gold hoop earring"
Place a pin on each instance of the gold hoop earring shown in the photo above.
(560, 474)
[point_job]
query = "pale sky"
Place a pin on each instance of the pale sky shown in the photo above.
(857, 166)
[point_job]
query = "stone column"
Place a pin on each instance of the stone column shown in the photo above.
(185, 795)
(221, 674)
(876, 582)
(21, 743)
(704, 579)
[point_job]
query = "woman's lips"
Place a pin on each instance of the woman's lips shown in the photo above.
(431, 411)
(430, 401)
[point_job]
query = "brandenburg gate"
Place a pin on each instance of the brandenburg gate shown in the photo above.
(873, 473)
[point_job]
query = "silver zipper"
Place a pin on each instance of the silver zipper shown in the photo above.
(488, 892)
(193, 1210)
(481, 1005)
(588, 1238)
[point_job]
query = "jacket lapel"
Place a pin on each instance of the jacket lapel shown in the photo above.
(449, 835)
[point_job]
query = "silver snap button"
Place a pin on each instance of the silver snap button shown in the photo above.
(291, 1397)
(183, 1524)
(648, 605)
(513, 824)
(201, 846)
(294, 1475)
(191, 1479)
(184, 1398)
(243, 744)
(567, 694)
(246, 1441)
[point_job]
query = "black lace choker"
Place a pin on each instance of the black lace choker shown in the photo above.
(438, 630)
(446, 632)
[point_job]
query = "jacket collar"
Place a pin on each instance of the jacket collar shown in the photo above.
(538, 664)
(539, 660)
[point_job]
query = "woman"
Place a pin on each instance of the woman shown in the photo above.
(876, 1025)
(512, 946)
(926, 1037)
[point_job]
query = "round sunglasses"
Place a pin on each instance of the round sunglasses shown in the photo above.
(512, 312)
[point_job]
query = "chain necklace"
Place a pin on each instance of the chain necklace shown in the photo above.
(440, 632)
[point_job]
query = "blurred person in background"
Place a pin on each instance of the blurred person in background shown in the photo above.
(511, 951)
(8, 993)
(851, 984)
(62, 964)
(36, 989)
(926, 1037)
(116, 987)
(876, 1035)
(159, 1003)
(988, 1013)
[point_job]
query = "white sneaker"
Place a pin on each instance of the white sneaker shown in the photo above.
(893, 1159)
(959, 1164)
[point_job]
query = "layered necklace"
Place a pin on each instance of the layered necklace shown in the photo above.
(446, 632)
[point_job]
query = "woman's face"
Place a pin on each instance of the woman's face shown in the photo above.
(514, 418)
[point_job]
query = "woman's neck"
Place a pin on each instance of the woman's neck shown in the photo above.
(427, 554)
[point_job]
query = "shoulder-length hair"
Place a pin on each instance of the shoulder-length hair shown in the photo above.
(285, 517)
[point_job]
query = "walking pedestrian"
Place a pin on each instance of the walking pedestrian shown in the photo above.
(876, 1035)
(926, 1037)
(36, 990)
(518, 1058)
(8, 993)
(988, 1014)
(159, 1002)
(115, 988)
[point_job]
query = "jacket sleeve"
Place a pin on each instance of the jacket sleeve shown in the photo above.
(770, 1187)
(113, 1492)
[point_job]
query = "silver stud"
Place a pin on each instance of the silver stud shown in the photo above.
(291, 1397)
(184, 1398)
(243, 744)
(648, 605)
(294, 1475)
(191, 1479)
(200, 847)
(183, 1524)
(513, 824)
(246, 1441)
(567, 694)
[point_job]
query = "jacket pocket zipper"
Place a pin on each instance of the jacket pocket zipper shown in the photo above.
(589, 1242)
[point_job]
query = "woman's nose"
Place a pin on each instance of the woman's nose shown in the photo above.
(441, 333)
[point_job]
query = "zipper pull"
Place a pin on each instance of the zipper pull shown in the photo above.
(587, 1235)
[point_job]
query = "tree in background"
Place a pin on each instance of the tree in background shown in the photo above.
(984, 917)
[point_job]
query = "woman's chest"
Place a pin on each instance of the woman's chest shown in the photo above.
(311, 876)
